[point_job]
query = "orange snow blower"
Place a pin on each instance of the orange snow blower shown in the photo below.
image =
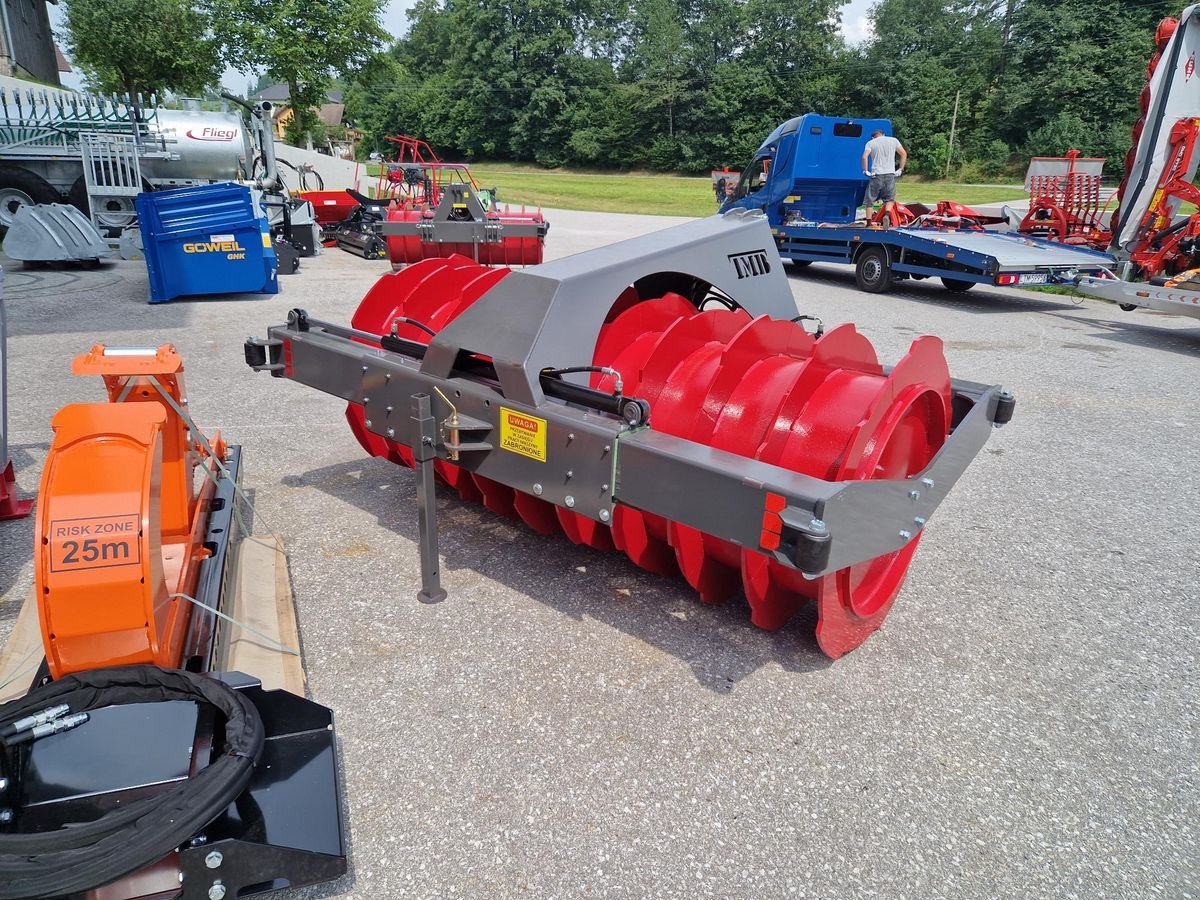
(134, 766)
(120, 514)
(658, 396)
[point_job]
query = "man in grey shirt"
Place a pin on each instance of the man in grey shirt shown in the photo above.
(881, 150)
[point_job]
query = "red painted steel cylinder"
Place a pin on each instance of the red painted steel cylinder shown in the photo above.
(510, 251)
(756, 387)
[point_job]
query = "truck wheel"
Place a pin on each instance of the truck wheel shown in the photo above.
(1128, 307)
(20, 187)
(800, 263)
(871, 270)
(957, 285)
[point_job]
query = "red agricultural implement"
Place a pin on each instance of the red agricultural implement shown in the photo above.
(660, 398)
(1165, 245)
(330, 207)
(1157, 246)
(945, 214)
(1065, 200)
(440, 211)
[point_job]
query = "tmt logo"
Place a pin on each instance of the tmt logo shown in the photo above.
(208, 133)
(750, 263)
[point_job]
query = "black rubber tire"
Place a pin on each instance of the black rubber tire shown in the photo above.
(800, 263)
(957, 285)
(18, 183)
(872, 272)
(1128, 307)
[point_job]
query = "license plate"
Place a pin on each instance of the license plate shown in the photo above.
(1039, 278)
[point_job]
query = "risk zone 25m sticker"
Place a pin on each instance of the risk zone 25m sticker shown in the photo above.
(94, 543)
(523, 434)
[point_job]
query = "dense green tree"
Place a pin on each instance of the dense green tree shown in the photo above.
(1074, 69)
(924, 56)
(657, 65)
(111, 42)
(303, 45)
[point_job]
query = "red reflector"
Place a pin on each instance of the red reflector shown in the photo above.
(769, 541)
(772, 522)
(287, 358)
(776, 502)
(1007, 279)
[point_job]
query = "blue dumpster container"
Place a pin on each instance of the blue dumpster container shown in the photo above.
(206, 240)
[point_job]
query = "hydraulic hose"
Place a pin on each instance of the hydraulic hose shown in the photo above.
(85, 855)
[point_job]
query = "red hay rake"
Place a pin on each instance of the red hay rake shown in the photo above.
(1065, 200)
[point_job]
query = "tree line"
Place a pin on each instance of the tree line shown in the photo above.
(685, 85)
(671, 85)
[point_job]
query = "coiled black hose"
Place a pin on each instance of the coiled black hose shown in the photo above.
(89, 854)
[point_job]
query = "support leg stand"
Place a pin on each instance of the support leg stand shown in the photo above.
(425, 453)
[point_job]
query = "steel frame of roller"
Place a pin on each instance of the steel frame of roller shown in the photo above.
(488, 395)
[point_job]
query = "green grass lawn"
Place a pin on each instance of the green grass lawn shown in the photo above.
(670, 195)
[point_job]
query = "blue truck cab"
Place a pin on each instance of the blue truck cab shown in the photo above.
(810, 165)
(807, 178)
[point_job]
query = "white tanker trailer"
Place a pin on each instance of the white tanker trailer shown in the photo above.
(41, 157)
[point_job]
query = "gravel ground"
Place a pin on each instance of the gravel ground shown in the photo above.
(566, 725)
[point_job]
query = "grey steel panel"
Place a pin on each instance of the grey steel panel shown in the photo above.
(579, 442)
(549, 316)
(53, 232)
(1013, 251)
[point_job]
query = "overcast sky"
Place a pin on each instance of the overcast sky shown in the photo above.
(855, 26)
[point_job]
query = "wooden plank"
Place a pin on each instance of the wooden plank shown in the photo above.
(22, 654)
(262, 598)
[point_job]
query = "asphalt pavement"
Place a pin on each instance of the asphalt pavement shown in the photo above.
(566, 725)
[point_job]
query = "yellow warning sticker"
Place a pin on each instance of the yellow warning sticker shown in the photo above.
(523, 434)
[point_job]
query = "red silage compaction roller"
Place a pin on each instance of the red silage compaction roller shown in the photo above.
(680, 418)
(456, 223)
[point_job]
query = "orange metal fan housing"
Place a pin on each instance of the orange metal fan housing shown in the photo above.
(120, 519)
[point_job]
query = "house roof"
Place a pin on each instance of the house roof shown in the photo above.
(272, 92)
(63, 65)
(281, 93)
(331, 113)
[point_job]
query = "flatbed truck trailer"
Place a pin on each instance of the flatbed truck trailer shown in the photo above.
(807, 178)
